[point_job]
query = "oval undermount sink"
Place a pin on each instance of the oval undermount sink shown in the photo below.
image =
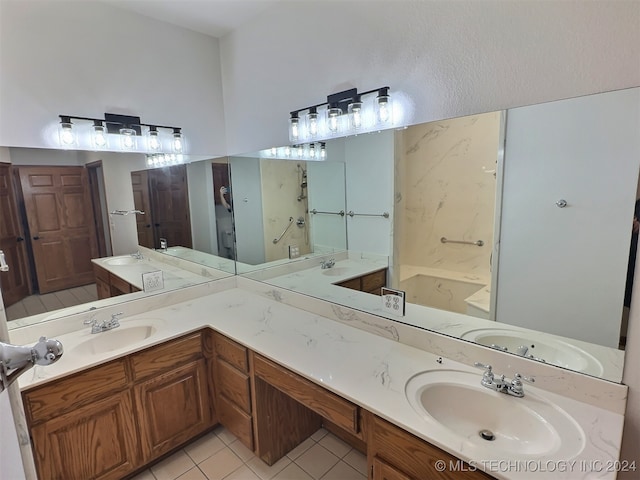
(335, 271)
(495, 424)
(551, 350)
(122, 261)
(115, 339)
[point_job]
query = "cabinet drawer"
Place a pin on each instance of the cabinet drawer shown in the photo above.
(69, 393)
(232, 352)
(119, 286)
(233, 384)
(236, 421)
(374, 281)
(328, 405)
(156, 360)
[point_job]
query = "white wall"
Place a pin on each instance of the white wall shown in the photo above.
(560, 264)
(369, 186)
(326, 192)
(88, 58)
(451, 58)
(36, 156)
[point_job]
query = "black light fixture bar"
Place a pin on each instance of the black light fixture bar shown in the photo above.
(342, 99)
(115, 122)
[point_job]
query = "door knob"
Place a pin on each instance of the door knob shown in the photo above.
(20, 239)
(36, 238)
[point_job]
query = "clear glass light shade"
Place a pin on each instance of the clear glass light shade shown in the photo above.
(300, 151)
(294, 129)
(177, 143)
(384, 114)
(287, 152)
(273, 151)
(323, 152)
(333, 119)
(128, 138)
(312, 151)
(312, 123)
(99, 136)
(153, 140)
(66, 134)
(355, 115)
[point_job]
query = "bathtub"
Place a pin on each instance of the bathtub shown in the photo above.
(442, 289)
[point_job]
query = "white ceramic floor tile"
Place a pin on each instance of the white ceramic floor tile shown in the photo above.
(173, 466)
(292, 472)
(225, 435)
(266, 472)
(146, 475)
(241, 451)
(357, 460)
(342, 471)
(335, 445)
(300, 449)
(319, 434)
(317, 461)
(204, 447)
(243, 473)
(194, 474)
(220, 464)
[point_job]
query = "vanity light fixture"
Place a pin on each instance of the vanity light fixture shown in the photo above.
(344, 113)
(311, 151)
(122, 130)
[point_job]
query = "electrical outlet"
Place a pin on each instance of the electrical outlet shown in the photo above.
(153, 281)
(294, 251)
(393, 301)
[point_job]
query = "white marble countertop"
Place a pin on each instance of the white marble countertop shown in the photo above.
(366, 369)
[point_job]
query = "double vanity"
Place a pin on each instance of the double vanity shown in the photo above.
(272, 366)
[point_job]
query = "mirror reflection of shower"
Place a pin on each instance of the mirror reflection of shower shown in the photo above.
(302, 173)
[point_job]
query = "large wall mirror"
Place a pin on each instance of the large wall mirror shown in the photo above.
(61, 209)
(517, 224)
(509, 229)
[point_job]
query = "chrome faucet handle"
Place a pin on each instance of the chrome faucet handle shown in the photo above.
(516, 388)
(487, 376)
(114, 319)
(91, 320)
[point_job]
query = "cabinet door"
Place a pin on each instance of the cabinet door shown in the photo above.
(172, 408)
(383, 471)
(97, 441)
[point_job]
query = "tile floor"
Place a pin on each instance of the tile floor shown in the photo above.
(219, 455)
(35, 304)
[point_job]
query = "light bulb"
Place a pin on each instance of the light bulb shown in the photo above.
(287, 152)
(149, 160)
(333, 117)
(355, 113)
(178, 141)
(323, 151)
(99, 135)
(128, 138)
(273, 151)
(312, 122)
(294, 127)
(312, 151)
(383, 107)
(65, 132)
(153, 139)
(300, 151)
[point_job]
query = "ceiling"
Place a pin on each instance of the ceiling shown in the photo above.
(211, 17)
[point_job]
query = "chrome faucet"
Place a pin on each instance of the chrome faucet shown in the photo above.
(327, 263)
(105, 325)
(138, 255)
(514, 388)
(163, 244)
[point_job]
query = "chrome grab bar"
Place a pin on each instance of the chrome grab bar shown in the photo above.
(315, 212)
(126, 212)
(276, 240)
(352, 214)
(478, 243)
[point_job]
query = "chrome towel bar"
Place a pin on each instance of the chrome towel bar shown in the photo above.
(352, 214)
(478, 243)
(315, 212)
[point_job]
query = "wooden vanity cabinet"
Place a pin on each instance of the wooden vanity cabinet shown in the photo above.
(369, 283)
(106, 422)
(110, 285)
(394, 454)
(231, 380)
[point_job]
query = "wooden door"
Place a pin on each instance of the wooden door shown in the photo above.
(220, 179)
(142, 202)
(97, 441)
(61, 225)
(170, 205)
(15, 282)
(172, 408)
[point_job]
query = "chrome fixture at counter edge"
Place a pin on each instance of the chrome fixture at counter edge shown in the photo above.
(15, 359)
(105, 325)
(514, 388)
